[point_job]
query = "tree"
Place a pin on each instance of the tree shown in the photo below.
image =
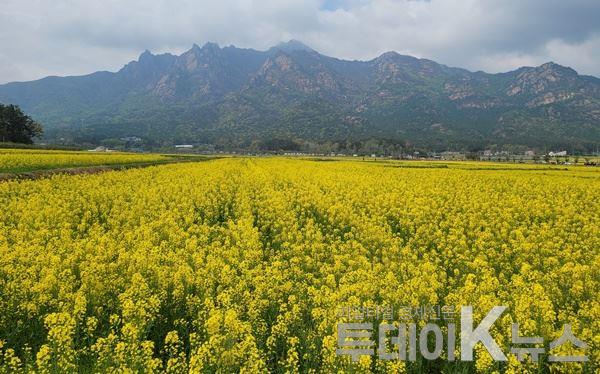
(16, 126)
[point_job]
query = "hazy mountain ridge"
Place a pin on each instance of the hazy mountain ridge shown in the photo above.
(211, 94)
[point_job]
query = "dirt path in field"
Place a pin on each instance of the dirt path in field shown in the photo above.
(38, 174)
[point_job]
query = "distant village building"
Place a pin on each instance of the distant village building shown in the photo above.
(449, 155)
(184, 146)
(529, 153)
(99, 149)
(292, 154)
(557, 154)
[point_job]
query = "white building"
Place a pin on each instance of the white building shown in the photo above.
(99, 149)
(557, 154)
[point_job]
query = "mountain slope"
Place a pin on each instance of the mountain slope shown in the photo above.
(235, 96)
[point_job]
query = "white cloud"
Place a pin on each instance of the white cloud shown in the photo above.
(65, 37)
(585, 56)
(9, 71)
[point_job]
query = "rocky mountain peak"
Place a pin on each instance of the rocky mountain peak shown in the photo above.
(145, 56)
(291, 46)
(536, 80)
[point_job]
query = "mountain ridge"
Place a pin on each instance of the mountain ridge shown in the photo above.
(237, 96)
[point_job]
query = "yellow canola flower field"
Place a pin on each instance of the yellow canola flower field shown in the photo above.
(16, 160)
(241, 265)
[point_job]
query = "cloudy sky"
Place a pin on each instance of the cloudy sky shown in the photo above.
(71, 37)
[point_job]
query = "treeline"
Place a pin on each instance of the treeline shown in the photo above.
(283, 144)
(162, 136)
(16, 126)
